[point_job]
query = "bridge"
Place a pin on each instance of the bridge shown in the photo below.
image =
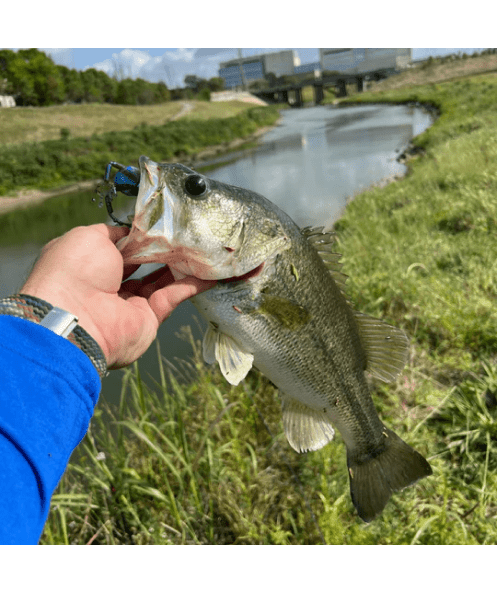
(340, 80)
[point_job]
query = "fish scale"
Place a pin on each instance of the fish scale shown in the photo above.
(280, 306)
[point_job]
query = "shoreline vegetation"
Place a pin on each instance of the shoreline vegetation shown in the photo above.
(35, 171)
(204, 462)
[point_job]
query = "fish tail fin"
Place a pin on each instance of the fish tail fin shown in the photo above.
(394, 465)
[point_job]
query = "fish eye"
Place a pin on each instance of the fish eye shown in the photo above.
(195, 185)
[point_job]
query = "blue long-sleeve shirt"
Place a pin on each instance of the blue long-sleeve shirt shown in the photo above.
(48, 391)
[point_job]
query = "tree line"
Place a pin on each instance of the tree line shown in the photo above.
(34, 79)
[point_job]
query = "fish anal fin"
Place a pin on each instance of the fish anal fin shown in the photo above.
(305, 428)
(393, 466)
(386, 347)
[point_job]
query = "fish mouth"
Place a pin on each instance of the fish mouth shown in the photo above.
(244, 277)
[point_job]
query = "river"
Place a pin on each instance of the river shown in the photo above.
(309, 165)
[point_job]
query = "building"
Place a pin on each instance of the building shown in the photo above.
(7, 101)
(310, 68)
(257, 67)
(360, 60)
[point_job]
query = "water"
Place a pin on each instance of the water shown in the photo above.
(319, 157)
(309, 165)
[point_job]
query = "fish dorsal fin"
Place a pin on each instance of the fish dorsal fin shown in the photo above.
(386, 347)
(323, 244)
(234, 361)
(306, 429)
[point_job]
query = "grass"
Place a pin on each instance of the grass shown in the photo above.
(205, 462)
(37, 124)
(53, 163)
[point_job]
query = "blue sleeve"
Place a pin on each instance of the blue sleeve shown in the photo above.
(48, 390)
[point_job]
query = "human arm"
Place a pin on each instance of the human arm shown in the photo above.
(49, 387)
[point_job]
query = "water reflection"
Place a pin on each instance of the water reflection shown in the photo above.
(16, 263)
(318, 157)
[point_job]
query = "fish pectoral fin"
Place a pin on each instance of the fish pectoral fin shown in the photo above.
(209, 344)
(386, 347)
(234, 361)
(305, 428)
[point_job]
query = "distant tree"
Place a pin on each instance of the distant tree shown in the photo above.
(161, 93)
(33, 76)
(34, 79)
(106, 85)
(73, 84)
(258, 85)
(216, 84)
(178, 94)
(125, 94)
(92, 93)
(204, 94)
(6, 57)
(194, 82)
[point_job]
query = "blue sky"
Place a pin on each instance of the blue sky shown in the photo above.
(173, 64)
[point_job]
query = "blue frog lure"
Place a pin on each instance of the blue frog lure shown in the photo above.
(126, 181)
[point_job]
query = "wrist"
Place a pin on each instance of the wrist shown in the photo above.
(58, 320)
(54, 294)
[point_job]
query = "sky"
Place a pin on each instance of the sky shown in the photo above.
(173, 64)
(80, 36)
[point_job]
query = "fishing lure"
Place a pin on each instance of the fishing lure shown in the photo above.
(126, 181)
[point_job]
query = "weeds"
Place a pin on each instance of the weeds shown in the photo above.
(54, 162)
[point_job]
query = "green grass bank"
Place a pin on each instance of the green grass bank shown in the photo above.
(206, 462)
(53, 163)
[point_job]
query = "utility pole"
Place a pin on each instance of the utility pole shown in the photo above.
(244, 84)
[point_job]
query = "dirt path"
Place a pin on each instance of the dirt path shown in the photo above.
(185, 108)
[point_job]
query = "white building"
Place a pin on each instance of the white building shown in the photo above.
(7, 101)
(257, 67)
(360, 60)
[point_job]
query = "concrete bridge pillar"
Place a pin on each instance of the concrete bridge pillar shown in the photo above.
(341, 88)
(360, 84)
(298, 97)
(318, 93)
(283, 96)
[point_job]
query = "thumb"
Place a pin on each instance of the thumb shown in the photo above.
(165, 300)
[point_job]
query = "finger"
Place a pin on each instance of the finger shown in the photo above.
(165, 300)
(149, 284)
(114, 233)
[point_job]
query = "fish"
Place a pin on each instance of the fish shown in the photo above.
(280, 305)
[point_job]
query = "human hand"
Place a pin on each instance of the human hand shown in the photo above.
(83, 272)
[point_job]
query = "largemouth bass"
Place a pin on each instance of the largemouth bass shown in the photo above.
(280, 306)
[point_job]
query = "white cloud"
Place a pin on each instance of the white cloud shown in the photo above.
(171, 67)
(181, 54)
(128, 63)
